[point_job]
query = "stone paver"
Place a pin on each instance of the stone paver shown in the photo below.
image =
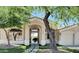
(33, 49)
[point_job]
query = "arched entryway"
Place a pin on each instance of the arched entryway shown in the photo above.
(36, 26)
(34, 34)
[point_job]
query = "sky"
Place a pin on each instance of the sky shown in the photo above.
(42, 14)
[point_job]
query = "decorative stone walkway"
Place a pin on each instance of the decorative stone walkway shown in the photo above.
(33, 49)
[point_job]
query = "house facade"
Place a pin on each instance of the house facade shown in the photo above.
(69, 36)
(35, 32)
(35, 29)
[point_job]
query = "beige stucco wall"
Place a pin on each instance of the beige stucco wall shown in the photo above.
(76, 33)
(67, 38)
(77, 38)
(2, 37)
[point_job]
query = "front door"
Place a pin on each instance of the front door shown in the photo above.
(34, 36)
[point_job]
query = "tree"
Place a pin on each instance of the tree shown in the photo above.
(63, 14)
(13, 17)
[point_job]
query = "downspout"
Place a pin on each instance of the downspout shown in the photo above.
(73, 42)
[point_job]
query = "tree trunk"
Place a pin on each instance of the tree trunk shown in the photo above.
(51, 34)
(7, 36)
(14, 36)
(24, 34)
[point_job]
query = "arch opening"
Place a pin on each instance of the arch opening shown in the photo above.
(34, 34)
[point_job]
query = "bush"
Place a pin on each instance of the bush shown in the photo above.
(72, 50)
(59, 45)
(18, 49)
(47, 46)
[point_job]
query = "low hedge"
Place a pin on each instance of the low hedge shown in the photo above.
(18, 49)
